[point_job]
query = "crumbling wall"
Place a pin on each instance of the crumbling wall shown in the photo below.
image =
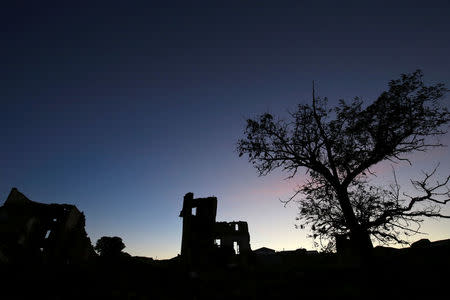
(38, 232)
(204, 239)
(232, 235)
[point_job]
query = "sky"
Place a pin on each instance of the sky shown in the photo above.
(122, 107)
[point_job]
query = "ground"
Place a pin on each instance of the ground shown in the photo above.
(388, 274)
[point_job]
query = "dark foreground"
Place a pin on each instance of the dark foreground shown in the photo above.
(390, 273)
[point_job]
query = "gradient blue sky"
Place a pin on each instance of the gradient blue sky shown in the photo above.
(122, 107)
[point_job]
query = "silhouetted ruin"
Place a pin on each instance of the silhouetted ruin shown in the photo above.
(232, 235)
(32, 232)
(48, 244)
(204, 239)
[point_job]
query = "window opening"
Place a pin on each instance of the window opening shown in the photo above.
(236, 247)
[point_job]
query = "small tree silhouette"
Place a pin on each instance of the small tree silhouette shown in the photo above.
(109, 246)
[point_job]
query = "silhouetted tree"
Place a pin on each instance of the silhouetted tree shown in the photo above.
(387, 214)
(338, 146)
(109, 246)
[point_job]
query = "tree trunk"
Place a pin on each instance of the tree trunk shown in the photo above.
(359, 236)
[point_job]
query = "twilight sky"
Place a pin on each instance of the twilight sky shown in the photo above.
(122, 107)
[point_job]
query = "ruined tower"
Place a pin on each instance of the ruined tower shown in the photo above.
(204, 240)
(199, 217)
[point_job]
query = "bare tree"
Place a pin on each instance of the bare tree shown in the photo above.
(338, 146)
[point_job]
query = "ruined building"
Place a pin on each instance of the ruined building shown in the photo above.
(204, 239)
(32, 232)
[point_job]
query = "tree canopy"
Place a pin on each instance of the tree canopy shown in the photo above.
(339, 145)
(109, 246)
